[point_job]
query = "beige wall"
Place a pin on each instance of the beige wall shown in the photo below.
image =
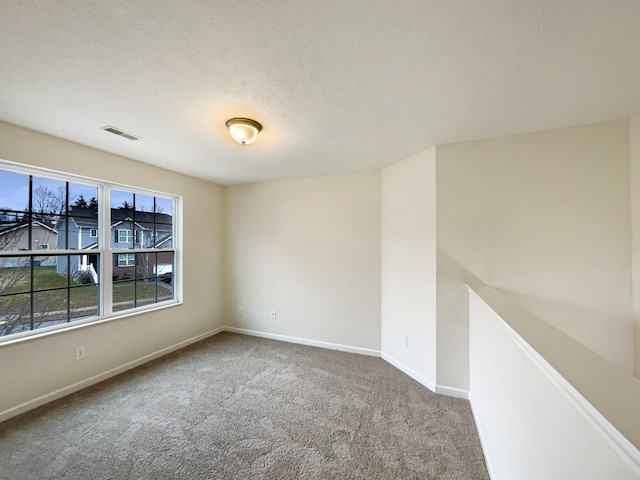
(409, 263)
(310, 249)
(545, 218)
(40, 366)
(634, 154)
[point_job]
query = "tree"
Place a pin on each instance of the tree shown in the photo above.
(93, 203)
(48, 205)
(80, 202)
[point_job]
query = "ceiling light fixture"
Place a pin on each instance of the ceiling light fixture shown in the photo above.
(244, 130)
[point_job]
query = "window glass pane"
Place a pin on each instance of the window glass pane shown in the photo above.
(50, 272)
(164, 205)
(83, 198)
(145, 292)
(15, 313)
(164, 236)
(41, 234)
(121, 200)
(84, 301)
(145, 265)
(121, 219)
(144, 203)
(14, 191)
(83, 215)
(145, 279)
(144, 221)
(15, 275)
(62, 236)
(49, 199)
(89, 269)
(86, 269)
(9, 220)
(15, 236)
(121, 234)
(49, 308)
(122, 261)
(123, 295)
(164, 223)
(164, 269)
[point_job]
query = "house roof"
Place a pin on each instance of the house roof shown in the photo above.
(13, 228)
(163, 240)
(87, 217)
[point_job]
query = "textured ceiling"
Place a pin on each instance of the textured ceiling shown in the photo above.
(339, 86)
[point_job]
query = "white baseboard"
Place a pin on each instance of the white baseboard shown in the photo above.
(62, 392)
(441, 389)
(452, 392)
(304, 341)
(412, 373)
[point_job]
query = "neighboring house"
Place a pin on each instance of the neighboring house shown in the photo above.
(129, 230)
(16, 237)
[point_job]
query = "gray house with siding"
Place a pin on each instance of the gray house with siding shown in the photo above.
(130, 229)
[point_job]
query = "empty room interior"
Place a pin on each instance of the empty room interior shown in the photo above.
(305, 239)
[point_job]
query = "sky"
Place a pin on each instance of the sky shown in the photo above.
(14, 189)
(14, 193)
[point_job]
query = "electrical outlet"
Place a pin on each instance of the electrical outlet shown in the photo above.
(405, 340)
(240, 312)
(273, 314)
(80, 353)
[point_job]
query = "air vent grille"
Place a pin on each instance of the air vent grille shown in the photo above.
(122, 133)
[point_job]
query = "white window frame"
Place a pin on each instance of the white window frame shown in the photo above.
(130, 259)
(128, 235)
(92, 234)
(106, 251)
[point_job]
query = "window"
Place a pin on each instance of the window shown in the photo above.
(126, 260)
(145, 224)
(52, 273)
(125, 236)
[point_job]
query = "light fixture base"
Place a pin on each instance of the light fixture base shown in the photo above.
(243, 130)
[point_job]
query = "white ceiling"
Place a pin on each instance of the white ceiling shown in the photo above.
(339, 86)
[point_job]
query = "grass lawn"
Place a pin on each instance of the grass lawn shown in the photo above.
(17, 279)
(51, 305)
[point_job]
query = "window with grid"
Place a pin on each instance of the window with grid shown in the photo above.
(145, 251)
(55, 268)
(125, 236)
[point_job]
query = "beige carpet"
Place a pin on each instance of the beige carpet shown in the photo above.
(238, 407)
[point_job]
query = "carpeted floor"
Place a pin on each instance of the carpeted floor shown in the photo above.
(238, 407)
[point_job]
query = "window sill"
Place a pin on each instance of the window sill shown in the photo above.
(66, 327)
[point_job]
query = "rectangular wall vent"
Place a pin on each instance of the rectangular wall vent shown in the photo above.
(117, 131)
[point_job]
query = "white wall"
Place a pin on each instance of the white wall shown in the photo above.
(532, 423)
(634, 154)
(545, 217)
(310, 249)
(409, 265)
(39, 367)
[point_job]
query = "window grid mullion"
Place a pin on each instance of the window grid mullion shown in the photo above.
(45, 310)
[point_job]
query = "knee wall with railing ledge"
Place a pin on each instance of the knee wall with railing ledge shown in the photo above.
(546, 406)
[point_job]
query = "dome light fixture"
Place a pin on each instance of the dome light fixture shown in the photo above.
(243, 130)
